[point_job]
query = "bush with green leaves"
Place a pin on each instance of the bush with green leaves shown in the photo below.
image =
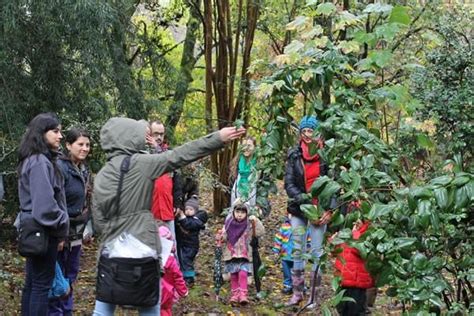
(419, 243)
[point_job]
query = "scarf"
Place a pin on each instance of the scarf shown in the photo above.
(234, 229)
(307, 157)
(245, 170)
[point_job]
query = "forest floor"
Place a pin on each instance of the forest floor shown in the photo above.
(201, 299)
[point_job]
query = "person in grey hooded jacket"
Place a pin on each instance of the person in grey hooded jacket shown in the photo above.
(121, 137)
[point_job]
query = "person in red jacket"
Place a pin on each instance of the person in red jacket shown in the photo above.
(355, 279)
(168, 190)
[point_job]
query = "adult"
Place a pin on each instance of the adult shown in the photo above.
(167, 193)
(244, 178)
(121, 137)
(303, 167)
(76, 186)
(41, 194)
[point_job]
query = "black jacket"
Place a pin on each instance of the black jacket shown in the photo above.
(295, 182)
(188, 228)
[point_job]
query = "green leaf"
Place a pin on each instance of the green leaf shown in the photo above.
(441, 196)
(378, 8)
(459, 181)
(238, 123)
(337, 219)
(424, 142)
(355, 164)
(461, 197)
(356, 179)
(403, 242)
(326, 311)
(381, 58)
(326, 8)
(294, 47)
(400, 15)
(349, 47)
(298, 23)
(379, 210)
(310, 211)
(443, 180)
(325, 196)
(319, 184)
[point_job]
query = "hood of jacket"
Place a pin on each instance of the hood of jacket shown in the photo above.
(123, 136)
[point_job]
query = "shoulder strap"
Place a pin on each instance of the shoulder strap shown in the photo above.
(124, 167)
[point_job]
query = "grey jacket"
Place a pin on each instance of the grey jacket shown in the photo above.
(120, 137)
(41, 193)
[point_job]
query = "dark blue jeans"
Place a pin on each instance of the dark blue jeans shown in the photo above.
(38, 280)
(186, 256)
(286, 266)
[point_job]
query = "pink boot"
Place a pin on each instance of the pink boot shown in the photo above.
(243, 297)
(235, 290)
(297, 279)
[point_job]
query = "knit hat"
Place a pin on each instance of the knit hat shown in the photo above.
(192, 202)
(165, 232)
(309, 122)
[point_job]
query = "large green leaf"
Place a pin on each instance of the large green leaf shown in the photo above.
(381, 58)
(326, 8)
(441, 196)
(380, 210)
(400, 15)
(443, 180)
(328, 192)
(311, 212)
(423, 141)
(378, 8)
(319, 184)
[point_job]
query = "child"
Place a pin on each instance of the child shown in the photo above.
(355, 277)
(237, 253)
(282, 247)
(172, 283)
(188, 226)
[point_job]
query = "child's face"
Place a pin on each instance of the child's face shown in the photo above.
(240, 215)
(189, 211)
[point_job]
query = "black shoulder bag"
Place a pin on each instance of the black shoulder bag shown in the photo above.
(128, 281)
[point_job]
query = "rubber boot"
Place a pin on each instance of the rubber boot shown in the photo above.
(243, 297)
(243, 285)
(297, 279)
(234, 288)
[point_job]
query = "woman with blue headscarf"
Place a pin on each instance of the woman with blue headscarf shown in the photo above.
(303, 167)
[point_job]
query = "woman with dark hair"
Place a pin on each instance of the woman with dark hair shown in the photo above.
(76, 187)
(41, 194)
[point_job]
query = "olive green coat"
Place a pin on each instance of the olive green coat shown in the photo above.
(120, 137)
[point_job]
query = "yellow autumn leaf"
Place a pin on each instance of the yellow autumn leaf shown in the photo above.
(282, 59)
(308, 74)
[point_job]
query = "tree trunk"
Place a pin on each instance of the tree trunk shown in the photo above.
(188, 61)
(222, 78)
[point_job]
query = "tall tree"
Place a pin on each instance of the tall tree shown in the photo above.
(230, 39)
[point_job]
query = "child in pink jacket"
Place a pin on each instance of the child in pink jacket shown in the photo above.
(173, 286)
